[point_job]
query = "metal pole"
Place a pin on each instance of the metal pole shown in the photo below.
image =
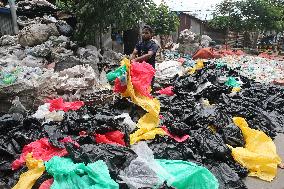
(14, 16)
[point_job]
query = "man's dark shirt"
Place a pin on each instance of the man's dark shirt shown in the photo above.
(144, 47)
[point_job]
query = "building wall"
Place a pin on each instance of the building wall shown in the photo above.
(195, 26)
(189, 22)
(184, 22)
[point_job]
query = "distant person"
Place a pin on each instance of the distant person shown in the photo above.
(146, 49)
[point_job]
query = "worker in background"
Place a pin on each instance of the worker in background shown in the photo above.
(146, 49)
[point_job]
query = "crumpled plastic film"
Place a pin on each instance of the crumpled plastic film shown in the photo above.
(166, 91)
(148, 123)
(145, 171)
(114, 137)
(118, 87)
(259, 69)
(188, 175)
(236, 89)
(232, 82)
(28, 179)
(147, 129)
(41, 149)
(141, 77)
(198, 66)
(259, 154)
(142, 172)
(46, 184)
(59, 104)
(68, 175)
(44, 113)
(150, 105)
(117, 73)
(176, 138)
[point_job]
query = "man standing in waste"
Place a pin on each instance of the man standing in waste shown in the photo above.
(146, 49)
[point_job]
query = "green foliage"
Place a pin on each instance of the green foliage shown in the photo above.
(97, 16)
(66, 5)
(162, 19)
(249, 15)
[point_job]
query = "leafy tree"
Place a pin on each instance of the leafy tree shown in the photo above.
(226, 16)
(95, 17)
(65, 5)
(163, 20)
(250, 15)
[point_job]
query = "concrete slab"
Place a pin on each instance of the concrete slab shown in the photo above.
(278, 182)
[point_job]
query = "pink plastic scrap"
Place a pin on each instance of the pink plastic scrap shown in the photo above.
(141, 77)
(118, 87)
(41, 150)
(59, 104)
(167, 91)
(176, 138)
(114, 137)
(46, 184)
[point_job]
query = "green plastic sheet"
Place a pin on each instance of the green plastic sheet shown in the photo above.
(147, 172)
(117, 73)
(187, 175)
(68, 175)
(232, 82)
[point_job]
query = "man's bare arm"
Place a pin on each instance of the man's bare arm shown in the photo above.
(144, 57)
(134, 54)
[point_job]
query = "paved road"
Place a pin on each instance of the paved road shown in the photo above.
(277, 183)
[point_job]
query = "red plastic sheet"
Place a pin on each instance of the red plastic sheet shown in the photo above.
(141, 77)
(231, 52)
(205, 53)
(264, 55)
(279, 82)
(167, 91)
(118, 88)
(46, 184)
(69, 140)
(41, 150)
(176, 138)
(59, 104)
(114, 137)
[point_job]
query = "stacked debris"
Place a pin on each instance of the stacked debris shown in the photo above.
(198, 131)
(33, 8)
(189, 42)
(62, 126)
(259, 69)
(43, 63)
(203, 107)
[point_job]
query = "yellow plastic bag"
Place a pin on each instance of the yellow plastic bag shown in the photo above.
(259, 154)
(150, 105)
(147, 129)
(149, 122)
(198, 66)
(236, 89)
(28, 179)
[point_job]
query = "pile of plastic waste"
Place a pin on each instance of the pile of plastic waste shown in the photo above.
(259, 69)
(43, 63)
(209, 129)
